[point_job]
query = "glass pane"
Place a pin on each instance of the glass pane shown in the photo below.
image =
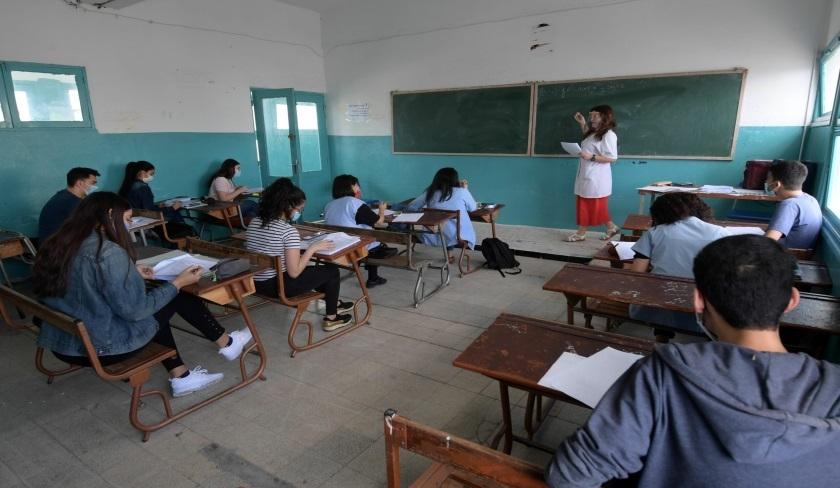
(829, 72)
(2, 115)
(46, 97)
(833, 196)
(310, 136)
(277, 143)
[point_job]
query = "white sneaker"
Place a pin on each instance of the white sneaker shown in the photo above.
(198, 379)
(238, 340)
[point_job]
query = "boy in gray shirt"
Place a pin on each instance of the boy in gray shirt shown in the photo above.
(797, 220)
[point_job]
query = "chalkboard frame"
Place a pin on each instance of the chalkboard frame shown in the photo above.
(531, 118)
(742, 71)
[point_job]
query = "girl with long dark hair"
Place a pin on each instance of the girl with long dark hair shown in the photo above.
(135, 188)
(223, 188)
(270, 233)
(87, 270)
(593, 183)
(448, 192)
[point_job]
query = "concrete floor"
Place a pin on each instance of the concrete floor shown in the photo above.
(316, 421)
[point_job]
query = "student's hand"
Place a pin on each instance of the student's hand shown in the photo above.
(188, 277)
(382, 206)
(322, 245)
(580, 119)
(177, 205)
(585, 155)
(146, 272)
(464, 183)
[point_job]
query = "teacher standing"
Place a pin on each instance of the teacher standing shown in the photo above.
(593, 183)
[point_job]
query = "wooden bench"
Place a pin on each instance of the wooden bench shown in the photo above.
(457, 462)
(136, 369)
(160, 221)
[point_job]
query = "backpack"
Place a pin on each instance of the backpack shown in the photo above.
(755, 173)
(498, 256)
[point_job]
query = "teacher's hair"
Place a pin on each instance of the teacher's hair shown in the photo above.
(607, 121)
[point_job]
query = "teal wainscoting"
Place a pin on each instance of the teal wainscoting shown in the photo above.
(35, 161)
(539, 191)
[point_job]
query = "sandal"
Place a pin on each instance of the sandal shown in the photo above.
(610, 233)
(576, 237)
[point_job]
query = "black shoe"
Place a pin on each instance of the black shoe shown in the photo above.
(376, 282)
(340, 320)
(382, 251)
(344, 306)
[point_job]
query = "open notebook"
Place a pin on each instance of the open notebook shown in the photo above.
(340, 240)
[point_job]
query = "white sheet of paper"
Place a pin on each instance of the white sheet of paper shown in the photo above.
(340, 242)
(668, 189)
(389, 212)
(744, 191)
(140, 222)
(717, 189)
(589, 379)
(736, 231)
(624, 250)
(572, 148)
(566, 361)
(169, 269)
(152, 261)
(408, 217)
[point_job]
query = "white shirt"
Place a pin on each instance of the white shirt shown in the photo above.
(594, 180)
(221, 184)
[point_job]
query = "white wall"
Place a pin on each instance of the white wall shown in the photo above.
(371, 51)
(833, 27)
(191, 76)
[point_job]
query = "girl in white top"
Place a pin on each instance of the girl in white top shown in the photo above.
(593, 183)
(223, 189)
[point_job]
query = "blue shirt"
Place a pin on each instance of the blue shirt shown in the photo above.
(672, 248)
(55, 212)
(462, 201)
(799, 220)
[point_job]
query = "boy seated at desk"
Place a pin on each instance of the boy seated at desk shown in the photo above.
(737, 412)
(797, 220)
(80, 183)
(680, 229)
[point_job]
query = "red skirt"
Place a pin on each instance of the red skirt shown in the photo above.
(592, 211)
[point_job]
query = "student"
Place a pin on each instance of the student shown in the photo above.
(593, 183)
(797, 220)
(348, 210)
(80, 182)
(223, 189)
(448, 192)
(680, 230)
(270, 233)
(135, 188)
(737, 412)
(87, 271)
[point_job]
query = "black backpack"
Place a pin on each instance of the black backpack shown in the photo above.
(499, 256)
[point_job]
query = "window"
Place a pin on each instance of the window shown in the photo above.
(40, 95)
(829, 71)
(832, 196)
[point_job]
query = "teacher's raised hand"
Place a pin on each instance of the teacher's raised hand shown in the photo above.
(580, 119)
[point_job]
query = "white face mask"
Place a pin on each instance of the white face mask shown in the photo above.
(237, 172)
(768, 190)
(295, 216)
(148, 179)
(699, 318)
(91, 189)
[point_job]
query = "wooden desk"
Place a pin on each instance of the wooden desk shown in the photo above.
(815, 313)
(223, 292)
(638, 223)
(13, 244)
(753, 196)
(517, 351)
(488, 215)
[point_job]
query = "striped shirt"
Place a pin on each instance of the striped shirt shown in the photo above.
(271, 240)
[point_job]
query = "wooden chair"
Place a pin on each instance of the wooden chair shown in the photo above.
(463, 245)
(14, 244)
(164, 233)
(458, 462)
(224, 216)
(299, 302)
(135, 369)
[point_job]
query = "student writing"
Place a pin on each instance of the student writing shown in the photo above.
(135, 188)
(223, 188)
(448, 192)
(270, 233)
(87, 271)
(797, 220)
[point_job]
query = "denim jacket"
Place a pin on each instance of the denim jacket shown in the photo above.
(106, 292)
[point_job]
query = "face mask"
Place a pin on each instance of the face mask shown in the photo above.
(237, 173)
(295, 216)
(91, 189)
(699, 318)
(767, 189)
(148, 179)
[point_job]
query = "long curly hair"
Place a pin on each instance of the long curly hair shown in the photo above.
(278, 200)
(673, 207)
(607, 122)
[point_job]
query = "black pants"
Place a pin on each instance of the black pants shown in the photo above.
(323, 277)
(373, 272)
(189, 307)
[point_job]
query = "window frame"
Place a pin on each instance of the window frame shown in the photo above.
(10, 105)
(6, 123)
(819, 117)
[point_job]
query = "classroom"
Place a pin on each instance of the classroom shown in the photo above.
(430, 366)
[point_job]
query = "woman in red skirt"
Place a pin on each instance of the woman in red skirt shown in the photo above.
(593, 183)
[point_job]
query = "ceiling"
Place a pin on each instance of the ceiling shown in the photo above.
(323, 6)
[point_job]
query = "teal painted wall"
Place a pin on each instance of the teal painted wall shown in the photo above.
(539, 191)
(35, 161)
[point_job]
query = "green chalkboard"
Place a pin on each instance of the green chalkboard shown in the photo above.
(488, 120)
(678, 116)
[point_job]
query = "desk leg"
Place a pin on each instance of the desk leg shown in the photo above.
(143, 238)
(506, 430)
(237, 289)
(642, 204)
(493, 225)
(444, 270)
(571, 301)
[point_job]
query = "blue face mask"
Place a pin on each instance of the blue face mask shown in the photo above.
(767, 189)
(295, 215)
(91, 189)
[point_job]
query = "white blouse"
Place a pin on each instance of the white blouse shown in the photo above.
(594, 180)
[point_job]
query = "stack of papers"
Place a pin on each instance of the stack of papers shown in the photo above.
(624, 250)
(587, 379)
(408, 217)
(744, 191)
(193, 204)
(572, 148)
(340, 242)
(667, 189)
(716, 189)
(137, 222)
(169, 269)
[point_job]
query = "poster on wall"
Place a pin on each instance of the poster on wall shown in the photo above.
(357, 112)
